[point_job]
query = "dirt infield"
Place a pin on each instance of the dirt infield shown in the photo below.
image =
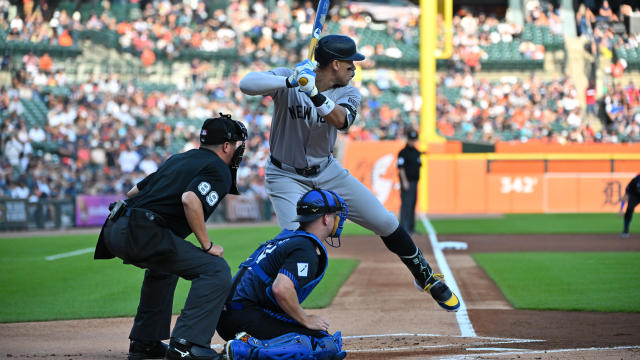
(383, 317)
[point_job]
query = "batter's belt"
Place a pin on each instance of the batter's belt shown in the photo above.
(306, 172)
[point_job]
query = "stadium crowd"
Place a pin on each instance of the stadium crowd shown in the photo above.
(108, 133)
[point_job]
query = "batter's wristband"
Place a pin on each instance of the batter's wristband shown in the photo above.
(323, 104)
(288, 83)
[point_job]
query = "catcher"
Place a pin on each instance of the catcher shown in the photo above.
(271, 284)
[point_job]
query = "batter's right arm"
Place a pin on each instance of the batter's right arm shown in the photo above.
(262, 83)
(266, 83)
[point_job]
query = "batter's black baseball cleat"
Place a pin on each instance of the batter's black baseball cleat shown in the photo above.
(427, 280)
(184, 350)
(440, 293)
(139, 350)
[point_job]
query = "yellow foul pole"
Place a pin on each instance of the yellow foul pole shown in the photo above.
(428, 35)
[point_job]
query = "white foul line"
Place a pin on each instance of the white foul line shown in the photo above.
(493, 338)
(482, 341)
(69, 254)
(464, 323)
(531, 352)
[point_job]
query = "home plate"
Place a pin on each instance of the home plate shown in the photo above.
(452, 245)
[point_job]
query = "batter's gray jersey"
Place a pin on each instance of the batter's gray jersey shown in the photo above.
(299, 136)
(300, 139)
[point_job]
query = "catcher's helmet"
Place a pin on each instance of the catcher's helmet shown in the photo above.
(316, 203)
(336, 47)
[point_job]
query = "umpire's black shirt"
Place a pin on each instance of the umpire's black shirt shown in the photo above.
(409, 159)
(633, 187)
(197, 170)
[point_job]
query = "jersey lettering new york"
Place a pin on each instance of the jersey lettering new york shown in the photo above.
(302, 112)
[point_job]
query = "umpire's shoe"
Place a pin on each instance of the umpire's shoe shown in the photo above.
(184, 350)
(139, 349)
(440, 292)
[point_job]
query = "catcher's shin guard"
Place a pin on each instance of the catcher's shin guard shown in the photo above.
(426, 280)
(290, 346)
(329, 347)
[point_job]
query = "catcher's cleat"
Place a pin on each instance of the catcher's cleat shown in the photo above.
(440, 292)
(139, 350)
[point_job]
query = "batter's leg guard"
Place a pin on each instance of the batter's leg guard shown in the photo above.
(426, 280)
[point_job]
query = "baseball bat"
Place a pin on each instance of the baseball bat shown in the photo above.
(318, 24)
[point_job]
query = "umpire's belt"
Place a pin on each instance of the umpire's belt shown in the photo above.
(307, 172)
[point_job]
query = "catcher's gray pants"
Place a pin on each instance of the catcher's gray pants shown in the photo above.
(210, 283)
(286, 187)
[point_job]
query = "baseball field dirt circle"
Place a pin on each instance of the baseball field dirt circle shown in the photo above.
(382, 316)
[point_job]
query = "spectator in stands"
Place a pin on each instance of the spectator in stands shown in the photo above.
(606, 12)
(128, 159)
(590, 98)
(15, 106)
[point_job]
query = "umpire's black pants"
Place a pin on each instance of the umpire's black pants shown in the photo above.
(210, 283)
(256, 322)
(633, 201)
(408, 206)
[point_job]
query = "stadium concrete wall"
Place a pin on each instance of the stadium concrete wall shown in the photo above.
(579, 179)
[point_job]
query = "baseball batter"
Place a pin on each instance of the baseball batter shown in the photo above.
(305, 123)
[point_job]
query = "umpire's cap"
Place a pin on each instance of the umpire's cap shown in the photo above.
(222, 129)
(316, 203)
(336, 47)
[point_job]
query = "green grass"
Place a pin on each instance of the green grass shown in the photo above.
(79, 287)
(585, 281)
(534, 224)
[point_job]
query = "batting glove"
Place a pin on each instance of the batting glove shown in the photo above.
(308, 78)
(293, 80)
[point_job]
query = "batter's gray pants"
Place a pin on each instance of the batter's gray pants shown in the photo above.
(285, 188)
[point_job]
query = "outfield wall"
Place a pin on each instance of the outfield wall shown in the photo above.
(507, 182)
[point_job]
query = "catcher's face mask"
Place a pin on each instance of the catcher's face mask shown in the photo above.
(341, 215)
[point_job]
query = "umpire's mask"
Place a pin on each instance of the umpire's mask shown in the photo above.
(225, 129)
(318, 202)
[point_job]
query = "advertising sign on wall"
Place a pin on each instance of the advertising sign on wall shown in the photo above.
(92, 210)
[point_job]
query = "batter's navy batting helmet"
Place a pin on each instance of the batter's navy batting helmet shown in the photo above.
(336, 47)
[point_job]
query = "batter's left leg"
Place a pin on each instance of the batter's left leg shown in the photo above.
(366, 210)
